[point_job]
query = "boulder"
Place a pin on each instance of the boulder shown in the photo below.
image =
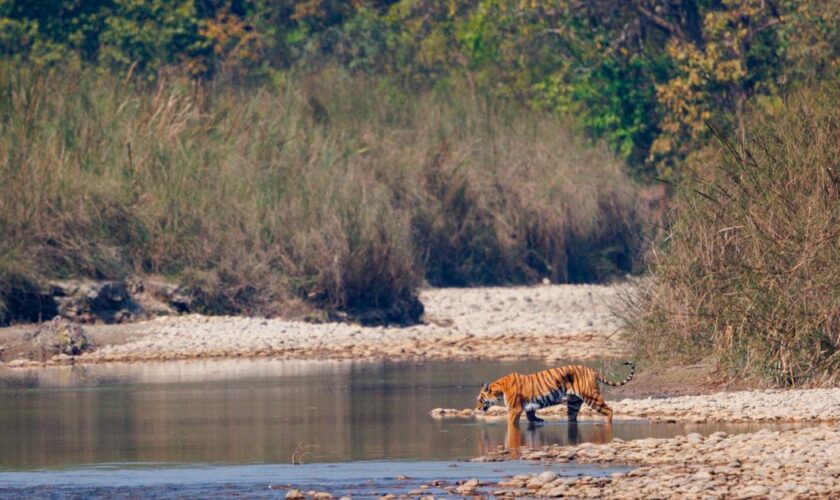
(89, 301)
(468, 488)
(58, 337)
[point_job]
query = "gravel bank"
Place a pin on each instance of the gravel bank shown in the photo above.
(544, 322)
(794, 405)
(801, 463)
(798, 463)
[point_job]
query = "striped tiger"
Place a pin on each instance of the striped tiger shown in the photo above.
(574, 384)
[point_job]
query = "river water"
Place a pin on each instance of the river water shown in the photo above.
(204, 427)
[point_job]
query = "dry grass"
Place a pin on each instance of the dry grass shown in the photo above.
(329, 190)
(750, 271)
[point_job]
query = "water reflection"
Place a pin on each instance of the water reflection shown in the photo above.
(190, 371)
(263, 410)
(234, 411)
(537, 436)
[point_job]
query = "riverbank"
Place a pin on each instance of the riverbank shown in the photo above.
(798, 463)
(795, 463)
(553, 322)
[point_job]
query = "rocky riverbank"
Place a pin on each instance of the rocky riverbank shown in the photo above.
(800, 463)
(796, 463)
(554, 322)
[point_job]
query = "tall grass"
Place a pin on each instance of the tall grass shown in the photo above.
(328, 190)
(750, 272)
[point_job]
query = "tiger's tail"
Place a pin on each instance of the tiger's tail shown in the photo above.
(632, 366)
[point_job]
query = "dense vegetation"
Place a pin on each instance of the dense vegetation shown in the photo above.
(750, 273)
(312, 188)
(643, 75)
(336, 154)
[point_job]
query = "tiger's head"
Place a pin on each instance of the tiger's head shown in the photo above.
(488, 396)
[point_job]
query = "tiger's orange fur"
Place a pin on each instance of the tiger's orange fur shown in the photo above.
(574, 384)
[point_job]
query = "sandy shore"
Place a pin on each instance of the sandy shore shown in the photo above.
(544, 322)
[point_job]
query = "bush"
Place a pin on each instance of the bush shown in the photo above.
(331, 188)
(749, 273)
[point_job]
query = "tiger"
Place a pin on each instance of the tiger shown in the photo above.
(575, 384)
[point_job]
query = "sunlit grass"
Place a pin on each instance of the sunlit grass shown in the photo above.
(749, 274)
(331, 188)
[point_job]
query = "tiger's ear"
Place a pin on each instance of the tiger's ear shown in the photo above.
(485, 387)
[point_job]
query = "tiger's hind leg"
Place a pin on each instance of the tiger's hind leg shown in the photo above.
(533, 418)
(573, 407)
(597, 403)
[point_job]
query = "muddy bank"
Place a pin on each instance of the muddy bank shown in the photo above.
(544, 322)
(794, 405)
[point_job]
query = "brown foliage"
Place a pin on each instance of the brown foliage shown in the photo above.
(750, 270)
(333, 189)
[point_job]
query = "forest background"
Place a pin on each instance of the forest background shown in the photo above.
(319, 157)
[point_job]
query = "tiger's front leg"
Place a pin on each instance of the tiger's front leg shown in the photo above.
(514, 412)
(513, 441)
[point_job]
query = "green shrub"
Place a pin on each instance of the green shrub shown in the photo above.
(749, 273)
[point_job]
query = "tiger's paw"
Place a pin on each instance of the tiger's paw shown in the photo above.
(534, 419)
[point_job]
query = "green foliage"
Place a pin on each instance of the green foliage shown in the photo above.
(644, 76)
(365, 40)
(612, 102)
(149, 32)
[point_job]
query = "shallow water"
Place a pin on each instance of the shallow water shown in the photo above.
(265, 411)
(359, 479)
(226, 419)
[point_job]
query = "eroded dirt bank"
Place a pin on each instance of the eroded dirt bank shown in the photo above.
(544, 322)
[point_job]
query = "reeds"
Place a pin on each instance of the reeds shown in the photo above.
(331, 190)
(749, 273)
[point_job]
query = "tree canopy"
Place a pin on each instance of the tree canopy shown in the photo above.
(645, 76)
